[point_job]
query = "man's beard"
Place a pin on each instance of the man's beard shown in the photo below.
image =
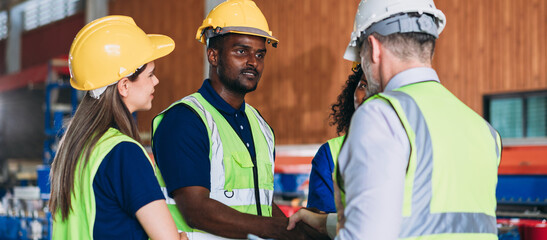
(234, 84)
(373, 86)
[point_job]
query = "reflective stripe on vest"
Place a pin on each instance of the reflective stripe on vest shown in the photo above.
(232, 198)
(428, 210)
(81, 218)
(240, 198)
(236, 196)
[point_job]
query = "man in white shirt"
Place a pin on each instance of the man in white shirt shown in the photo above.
(417, 162)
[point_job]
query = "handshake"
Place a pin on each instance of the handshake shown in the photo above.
(307, 218)
(312, 217)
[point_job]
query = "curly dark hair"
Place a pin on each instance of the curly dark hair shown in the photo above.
(343, 109)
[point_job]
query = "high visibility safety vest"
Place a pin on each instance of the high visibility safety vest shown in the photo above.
(232, 180)
(81, 218)
(335, 145)
(450, 184)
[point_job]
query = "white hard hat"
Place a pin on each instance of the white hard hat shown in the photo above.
(372, 13)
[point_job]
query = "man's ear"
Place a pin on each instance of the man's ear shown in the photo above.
(375, 48)
(123, 87)
(212, 56)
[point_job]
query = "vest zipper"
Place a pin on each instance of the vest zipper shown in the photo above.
(257, 191)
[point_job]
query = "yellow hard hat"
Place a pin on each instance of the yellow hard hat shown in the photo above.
(111, 47)
(235, 16)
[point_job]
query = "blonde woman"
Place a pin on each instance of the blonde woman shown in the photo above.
(103, 184)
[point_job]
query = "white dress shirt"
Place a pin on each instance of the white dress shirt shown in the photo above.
(373, 164)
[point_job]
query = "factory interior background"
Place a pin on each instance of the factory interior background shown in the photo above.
(492, 55)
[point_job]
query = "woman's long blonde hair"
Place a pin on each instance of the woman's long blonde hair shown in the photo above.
(91, 120)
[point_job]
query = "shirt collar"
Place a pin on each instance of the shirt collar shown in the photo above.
(410, 76)
(209, 93)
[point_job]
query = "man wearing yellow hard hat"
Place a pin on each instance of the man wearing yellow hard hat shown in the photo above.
(216, 152)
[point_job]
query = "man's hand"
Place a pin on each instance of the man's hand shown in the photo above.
(209, 215)
(301, 231)
(315, 220)
(310, 232)
(183, 236)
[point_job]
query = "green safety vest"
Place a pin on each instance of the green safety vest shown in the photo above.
(450, 184)
(81, 217)
(335, 145)
(232, 180)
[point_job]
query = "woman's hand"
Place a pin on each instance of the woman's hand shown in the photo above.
(315, 220)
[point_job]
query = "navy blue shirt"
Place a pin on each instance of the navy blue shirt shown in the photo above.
(124, 183)
(321, 190)
(181, 142)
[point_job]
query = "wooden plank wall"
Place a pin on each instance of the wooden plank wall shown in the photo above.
(489, 46)
(303, 76)
(492, 46)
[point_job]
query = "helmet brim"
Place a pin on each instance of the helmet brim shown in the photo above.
(163, 46)
(273, 40)
(238, 30)
(352, 54)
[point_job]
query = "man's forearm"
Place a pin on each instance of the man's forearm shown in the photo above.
(218, 219)
(276, 211)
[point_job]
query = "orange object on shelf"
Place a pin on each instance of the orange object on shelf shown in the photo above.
(292, 164)
(524, 160)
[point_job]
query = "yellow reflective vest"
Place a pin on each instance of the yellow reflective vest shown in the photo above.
(81, 217)
(450, 184)
(232, 180)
